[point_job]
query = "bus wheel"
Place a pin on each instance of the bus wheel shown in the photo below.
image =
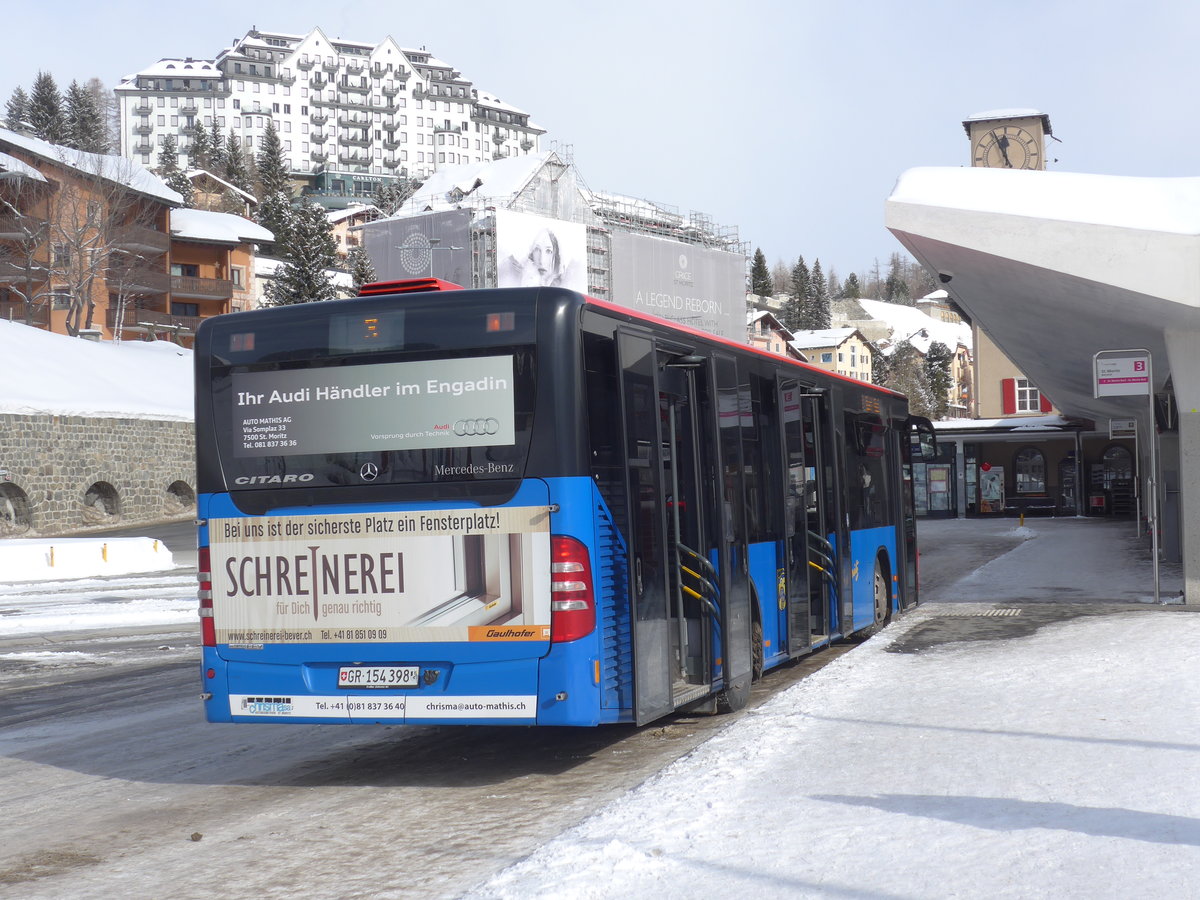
(756, 652)
(883, 598)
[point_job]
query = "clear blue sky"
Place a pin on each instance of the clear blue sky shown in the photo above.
(789, 119)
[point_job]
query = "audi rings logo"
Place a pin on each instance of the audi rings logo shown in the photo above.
(369, 472)
(465, 427)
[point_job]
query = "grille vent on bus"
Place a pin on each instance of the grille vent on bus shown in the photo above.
(611, 580)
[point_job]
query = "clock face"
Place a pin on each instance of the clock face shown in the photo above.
(1007, 147)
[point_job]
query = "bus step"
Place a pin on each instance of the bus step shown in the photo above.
(682, 692)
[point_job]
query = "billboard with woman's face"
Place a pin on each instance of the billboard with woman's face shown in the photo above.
(533, 251)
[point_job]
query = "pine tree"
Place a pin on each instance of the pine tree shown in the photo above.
(16, 111)
(236, 171)
(361, 269)
(169, 171)
(833, 284)
(272, 167)
(850, 287)
(393, 194)
(84, 121)
(793, 310)
(908, 376)
(310, 251)
(896, 288)
(275, 213)
(818, 299)
(760, 276)
(938, 359)
(47, 119)
(200, 149)
(108, 110)
(216, 150)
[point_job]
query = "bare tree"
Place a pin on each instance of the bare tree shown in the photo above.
(24, 217)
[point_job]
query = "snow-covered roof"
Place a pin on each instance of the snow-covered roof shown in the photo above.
(499, 180)
(1166, 205)
(116, 169)
(180, 68)
(217, 227)
(907, 324)
(496, 103)
(68, 376)
(992, 115)
(11, 167)
(823, 337)
(337, 215)
(195, 174)
(1016, 423)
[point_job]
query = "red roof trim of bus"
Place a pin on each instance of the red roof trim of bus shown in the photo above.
(407, 286)
(678, 326)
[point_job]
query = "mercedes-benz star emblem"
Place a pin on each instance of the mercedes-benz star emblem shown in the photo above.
(369, 472)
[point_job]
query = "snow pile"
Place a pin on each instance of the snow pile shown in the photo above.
(54, 559)
(52, 374)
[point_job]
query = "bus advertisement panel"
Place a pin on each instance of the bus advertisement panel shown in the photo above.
(437, 575)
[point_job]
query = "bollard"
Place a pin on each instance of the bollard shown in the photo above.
(1022, 519)
(156, 546)
(52, 557)
(104, 552)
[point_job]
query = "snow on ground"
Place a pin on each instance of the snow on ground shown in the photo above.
(93, 583)
(1063, 761)
(73, 377)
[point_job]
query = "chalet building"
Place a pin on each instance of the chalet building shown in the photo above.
(766, 332)
(346, 224)
(95, 246)
(841, 350)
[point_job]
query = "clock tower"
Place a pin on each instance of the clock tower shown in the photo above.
(1008, 138)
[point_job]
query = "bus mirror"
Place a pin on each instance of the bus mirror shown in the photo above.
(924, 440)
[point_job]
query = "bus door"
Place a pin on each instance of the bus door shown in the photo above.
(689, 474)
(811, 463)
(647, 541)
(804, 582)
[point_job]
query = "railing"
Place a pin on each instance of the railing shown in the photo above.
(348, 141)
(143, 129)
(139, 237)
(14, 311)
(151, 320)
(320, 118)
(20, 227)
(136, 280)
(143, 109)
(305, 64)
(205, 288)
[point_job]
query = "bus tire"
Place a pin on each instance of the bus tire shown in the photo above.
(883, 599)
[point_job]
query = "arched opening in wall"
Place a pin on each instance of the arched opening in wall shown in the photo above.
(14, 511)
(101, 504)
(180, 498)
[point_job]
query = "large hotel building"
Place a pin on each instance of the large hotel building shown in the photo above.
(351, 115)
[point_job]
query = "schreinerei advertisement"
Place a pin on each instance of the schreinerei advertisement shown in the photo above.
(533, 251)
(437, 575)
(694, 286)
(448, 403)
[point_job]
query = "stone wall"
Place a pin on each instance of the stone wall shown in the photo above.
(67, 473)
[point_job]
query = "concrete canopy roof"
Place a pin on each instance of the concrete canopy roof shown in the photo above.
(1057, 266)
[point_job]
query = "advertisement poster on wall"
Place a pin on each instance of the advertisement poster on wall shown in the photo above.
(991, 489)
(533, 251)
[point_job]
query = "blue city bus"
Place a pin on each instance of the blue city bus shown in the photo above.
(526, 506)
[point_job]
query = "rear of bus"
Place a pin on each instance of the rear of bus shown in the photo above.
(372, 548)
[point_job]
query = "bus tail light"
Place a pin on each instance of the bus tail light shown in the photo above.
(208, 631)
(572, 602)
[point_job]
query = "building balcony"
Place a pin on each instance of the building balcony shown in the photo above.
(19, 228)
(137, 280)
(355, 68)
(143, 129)
(357, 88)
(192, 288)
(353, 159)
(330, 67)
(305, 64)
(188, 109)
(347, 141)
(143, 109)
(418, 93)
(287, 79)
(140, 239)
(143, 147)
(497, 137)
(318, 137)
(527, 145)
(319, 118)
(391, 163)
(354, 121)
(318, 156)
(14, 311)
(14, 273)
(151, 321)
(318, 83)
(390, 90)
